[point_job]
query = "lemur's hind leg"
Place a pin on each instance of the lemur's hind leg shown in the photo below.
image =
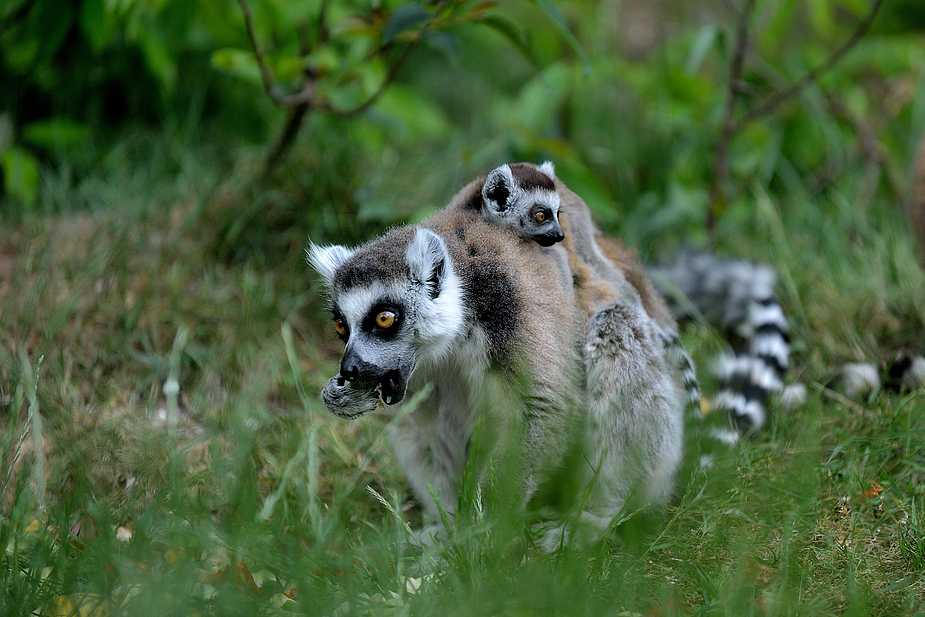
(634, 437)
(633, 440)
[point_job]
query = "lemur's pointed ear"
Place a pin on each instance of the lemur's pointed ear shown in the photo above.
(428, 260)
(498, 188)
(326, 259)
(548, 169)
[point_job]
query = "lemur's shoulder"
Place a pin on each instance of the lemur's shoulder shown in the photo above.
(628, 263)
(510, 287)
(604, 270)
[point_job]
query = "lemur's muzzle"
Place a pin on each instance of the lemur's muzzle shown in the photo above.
(550, 237)
(388, 384)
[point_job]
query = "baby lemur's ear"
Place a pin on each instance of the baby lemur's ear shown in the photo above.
(498, 188)
(428, 260)
(326, 259)
(548, 169)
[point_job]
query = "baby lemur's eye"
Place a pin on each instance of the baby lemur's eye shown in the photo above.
(340, 327)
(385, 319)
(541, 215)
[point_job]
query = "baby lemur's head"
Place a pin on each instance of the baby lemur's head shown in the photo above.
(523, 198)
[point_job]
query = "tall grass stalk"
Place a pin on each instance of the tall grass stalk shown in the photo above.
(32, 424)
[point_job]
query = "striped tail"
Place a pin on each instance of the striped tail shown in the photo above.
(749, 379)
(738, 297)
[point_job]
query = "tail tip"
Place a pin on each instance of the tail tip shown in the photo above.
(860, 379)
(792, 396)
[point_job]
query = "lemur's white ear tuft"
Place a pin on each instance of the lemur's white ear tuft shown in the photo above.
(548, 169)
(498, 188)
(428, 260)
(326, 259)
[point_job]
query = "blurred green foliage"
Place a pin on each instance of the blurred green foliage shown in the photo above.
(626, 98)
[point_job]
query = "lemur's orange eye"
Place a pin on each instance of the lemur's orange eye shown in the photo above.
(540, 216)
(385, 319)
(340, 327)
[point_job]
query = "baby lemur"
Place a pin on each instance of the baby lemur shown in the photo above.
(523, 198)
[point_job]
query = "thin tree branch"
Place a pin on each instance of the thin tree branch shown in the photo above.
(265, 75)
(389, 76)
(775, 100)
(286, 137)
(299, 111)
(729, 126)
(305, 96)
(307, 99)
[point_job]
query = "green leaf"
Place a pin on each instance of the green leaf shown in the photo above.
(539, 101)
(509, 30)
(371, 76)
(49, 23)
(414, 117)
(287, 68)
(703, 42)
(158, 57)
(556, 16)
(858, 8)
(322, 60)
(294, 11)
(97, 24)
(821, 14)
(404, 18)
(239, 62)
(445, 43)
(55, 133)
(20, 175)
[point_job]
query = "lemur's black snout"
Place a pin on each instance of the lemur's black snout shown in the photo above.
(354, 369)
(350, 371)
(550, 237)
(390, 383)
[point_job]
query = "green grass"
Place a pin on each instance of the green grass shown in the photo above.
(244, 496)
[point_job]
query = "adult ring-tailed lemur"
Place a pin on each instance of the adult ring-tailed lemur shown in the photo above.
(559, 350)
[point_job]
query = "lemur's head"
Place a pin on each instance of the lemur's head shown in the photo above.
(396, 303)
(523, 197)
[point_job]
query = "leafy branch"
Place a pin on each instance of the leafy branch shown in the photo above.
(308, 98)
(406, 27)
(731, 125)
